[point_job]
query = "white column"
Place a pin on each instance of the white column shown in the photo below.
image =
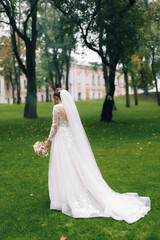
(2, 94)
(75, 85)
(90, 85)
(83, 82)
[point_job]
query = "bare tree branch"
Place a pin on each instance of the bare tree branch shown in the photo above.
(84, 35)
(12, 20)
(29, 15)
(4, 22)
(13, 37)
(93, 16)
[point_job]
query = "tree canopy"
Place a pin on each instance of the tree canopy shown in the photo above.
(116, 30)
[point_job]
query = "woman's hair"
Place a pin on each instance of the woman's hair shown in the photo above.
(57, 93)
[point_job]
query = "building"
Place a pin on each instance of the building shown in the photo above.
(84, 83)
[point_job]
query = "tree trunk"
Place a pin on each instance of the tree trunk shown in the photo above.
(105, 75)
(125, 71)
(52, 81)
(145, 85)
(49, 66)
(18, 87)
(47, 90)
(30, 110)
(108, 104)
(58, 67)
(155, 78)
(19, 69)
(13, 88)
(17, 80)
(67, 68)
(145, 89)
(135, 90)
(18, 77)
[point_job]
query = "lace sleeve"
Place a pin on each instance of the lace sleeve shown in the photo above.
(54, 125)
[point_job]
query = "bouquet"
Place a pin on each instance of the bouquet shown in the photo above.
(40, 149)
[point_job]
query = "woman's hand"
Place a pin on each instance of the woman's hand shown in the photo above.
(63, 238)
(47, 143)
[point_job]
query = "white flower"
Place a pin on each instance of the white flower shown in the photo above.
(36, 148)
(40, 149)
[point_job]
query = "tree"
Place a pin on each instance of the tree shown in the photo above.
(6, 59)
(125, 72)
(56, 41)
(145, 77)
(42, 74)
(28, 34)
(108, 28)
(153, 37)
(9, 65)
(7, 62)
(133, 67)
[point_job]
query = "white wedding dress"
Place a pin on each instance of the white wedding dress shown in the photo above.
(76, 186)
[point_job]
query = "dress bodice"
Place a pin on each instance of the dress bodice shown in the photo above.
(62, 118)
(59, 119)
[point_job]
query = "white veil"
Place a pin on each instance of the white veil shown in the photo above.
(78, 131)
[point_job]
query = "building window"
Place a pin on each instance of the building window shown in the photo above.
(93, 95)
(7, 85)
(50, 97)
(42, 98)
(93, 80)
(8, 100)
(99, 95)
(99, 80)
(79, 95)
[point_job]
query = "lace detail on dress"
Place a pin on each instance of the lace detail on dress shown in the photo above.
(84, 206)
(59, 120)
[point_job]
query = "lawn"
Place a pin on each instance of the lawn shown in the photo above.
(127, 151)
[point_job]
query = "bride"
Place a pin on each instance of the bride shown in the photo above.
(76, 186)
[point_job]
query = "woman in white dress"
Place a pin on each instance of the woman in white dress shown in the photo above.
(76, 186)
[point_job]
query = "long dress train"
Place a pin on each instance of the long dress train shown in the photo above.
(76, 188)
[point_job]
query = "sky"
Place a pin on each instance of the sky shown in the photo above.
(84, 55)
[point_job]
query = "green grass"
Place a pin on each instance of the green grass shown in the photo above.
(127, 151)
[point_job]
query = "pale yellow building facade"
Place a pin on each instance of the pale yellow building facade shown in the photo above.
(84, 84)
